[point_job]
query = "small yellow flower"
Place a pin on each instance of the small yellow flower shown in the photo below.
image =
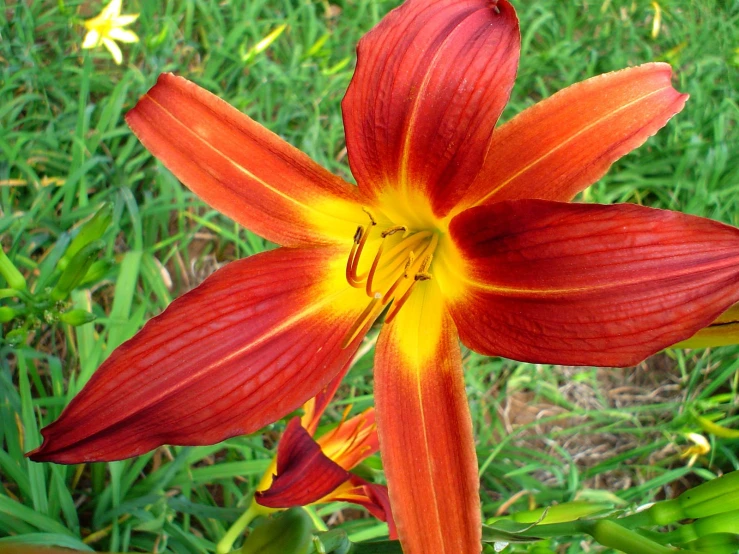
(700, 447)
(107, 27)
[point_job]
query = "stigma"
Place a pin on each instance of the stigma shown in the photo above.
(400, 260)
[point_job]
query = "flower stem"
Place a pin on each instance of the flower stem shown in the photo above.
(611, 534)
(226, 543)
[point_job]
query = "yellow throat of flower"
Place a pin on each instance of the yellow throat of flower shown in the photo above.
(388, 261)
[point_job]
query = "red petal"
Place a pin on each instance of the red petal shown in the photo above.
(242, 169)
(304, 473)
(243, 349)
(431, 81)
(565, 143)
(426, 440)
(586, 284)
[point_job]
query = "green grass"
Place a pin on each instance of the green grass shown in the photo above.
(65, 149)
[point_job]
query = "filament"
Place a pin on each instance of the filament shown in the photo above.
(393, 273)
(364, 318)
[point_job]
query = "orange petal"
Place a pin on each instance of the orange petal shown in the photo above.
(242, 169)
(431, 81)
(246, 347)
(724, 331)
(351, 441)
(586, 284)
(426, 440)
(562, 145)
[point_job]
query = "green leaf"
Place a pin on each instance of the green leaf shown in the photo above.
(506, 530)
(288, 533)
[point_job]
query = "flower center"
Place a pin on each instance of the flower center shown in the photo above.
(402, 258)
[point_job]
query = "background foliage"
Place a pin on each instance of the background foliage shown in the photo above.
(545, 434)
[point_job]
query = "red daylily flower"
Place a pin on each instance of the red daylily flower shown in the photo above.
(307, 471)
(455, 229)
(313, 472)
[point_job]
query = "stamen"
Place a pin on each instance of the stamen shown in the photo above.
(422, 274)
(372, 310)
(396, 256)
(360, 239)
(358, 280)
(425, 265)
(395, 265)
(350, 262)
(430, 248)
(376, 261)
(394, 230)
(372, 270)
(394, 286)
(409, 263)
(407, 243)
(369, 214)
(397, 304)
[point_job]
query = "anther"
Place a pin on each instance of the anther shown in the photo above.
(354, 279)
(353, 255)
(369, 214)
(393, 230)
(409, 263)
(426, 264)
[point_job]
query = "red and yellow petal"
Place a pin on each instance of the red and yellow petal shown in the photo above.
(586, 284)
(304, 473)
(425, 429)
(431, 81)
(374, 498)
(252, 343)
(313, 409)
(242, 169)
(560, 146)
(307, 475)
(724, 331)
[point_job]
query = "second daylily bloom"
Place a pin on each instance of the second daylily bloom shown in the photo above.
(455, 230)
(307, 471)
